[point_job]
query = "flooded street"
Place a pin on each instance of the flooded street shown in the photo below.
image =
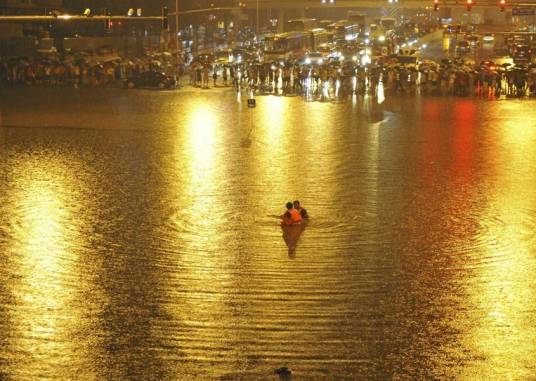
(138, 238)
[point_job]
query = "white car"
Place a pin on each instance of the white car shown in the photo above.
(314, 58)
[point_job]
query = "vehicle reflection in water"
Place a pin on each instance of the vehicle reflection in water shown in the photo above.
(145, 246)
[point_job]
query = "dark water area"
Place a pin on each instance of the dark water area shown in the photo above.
(138, 238)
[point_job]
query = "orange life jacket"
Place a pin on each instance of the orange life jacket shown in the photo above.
(295, 216)
(286, 219)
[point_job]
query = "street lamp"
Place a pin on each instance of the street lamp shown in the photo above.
(177, 25)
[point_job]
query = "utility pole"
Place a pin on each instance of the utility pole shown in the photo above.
(258, 19)
(177, 25)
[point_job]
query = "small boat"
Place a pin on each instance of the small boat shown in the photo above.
(292, 234)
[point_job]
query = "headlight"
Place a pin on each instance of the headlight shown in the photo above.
(367, 41)
(342, 57)
(307, 61)
(320, 61)
(381, 38)
(354, 58)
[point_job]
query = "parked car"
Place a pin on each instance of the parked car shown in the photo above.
(151, 78)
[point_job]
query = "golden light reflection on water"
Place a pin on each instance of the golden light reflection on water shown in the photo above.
(202, 130)
(41, 250)
(199, 257)
(212, 292)
(203, 166)
(321, 147)
(271, 124)
(502, 292)
(446, 43)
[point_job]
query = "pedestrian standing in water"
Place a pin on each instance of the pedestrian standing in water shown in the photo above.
(224, 73)
(205, 77)
(215, 75)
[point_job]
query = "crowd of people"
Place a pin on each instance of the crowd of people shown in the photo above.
(459, 77)
(82, 70)
(448, 77)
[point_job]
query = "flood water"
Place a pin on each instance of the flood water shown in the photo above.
(138, 239)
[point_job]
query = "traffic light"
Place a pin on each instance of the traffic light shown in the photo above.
(436, 5)
(503, 5)
(165, 23)
(469, 5)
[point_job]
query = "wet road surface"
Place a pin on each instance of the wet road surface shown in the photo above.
(137, 237)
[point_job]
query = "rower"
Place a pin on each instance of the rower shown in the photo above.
(291, 216)
(302, 211)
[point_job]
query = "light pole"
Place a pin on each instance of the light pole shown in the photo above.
(257, 19)
(177, 25)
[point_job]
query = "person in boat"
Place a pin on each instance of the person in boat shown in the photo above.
(291, 216)
(302, 211)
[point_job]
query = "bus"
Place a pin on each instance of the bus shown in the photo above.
(320, 37)
(287, 46)
(300, 25)
(294, 45)
(344, 30)
(324, 23)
